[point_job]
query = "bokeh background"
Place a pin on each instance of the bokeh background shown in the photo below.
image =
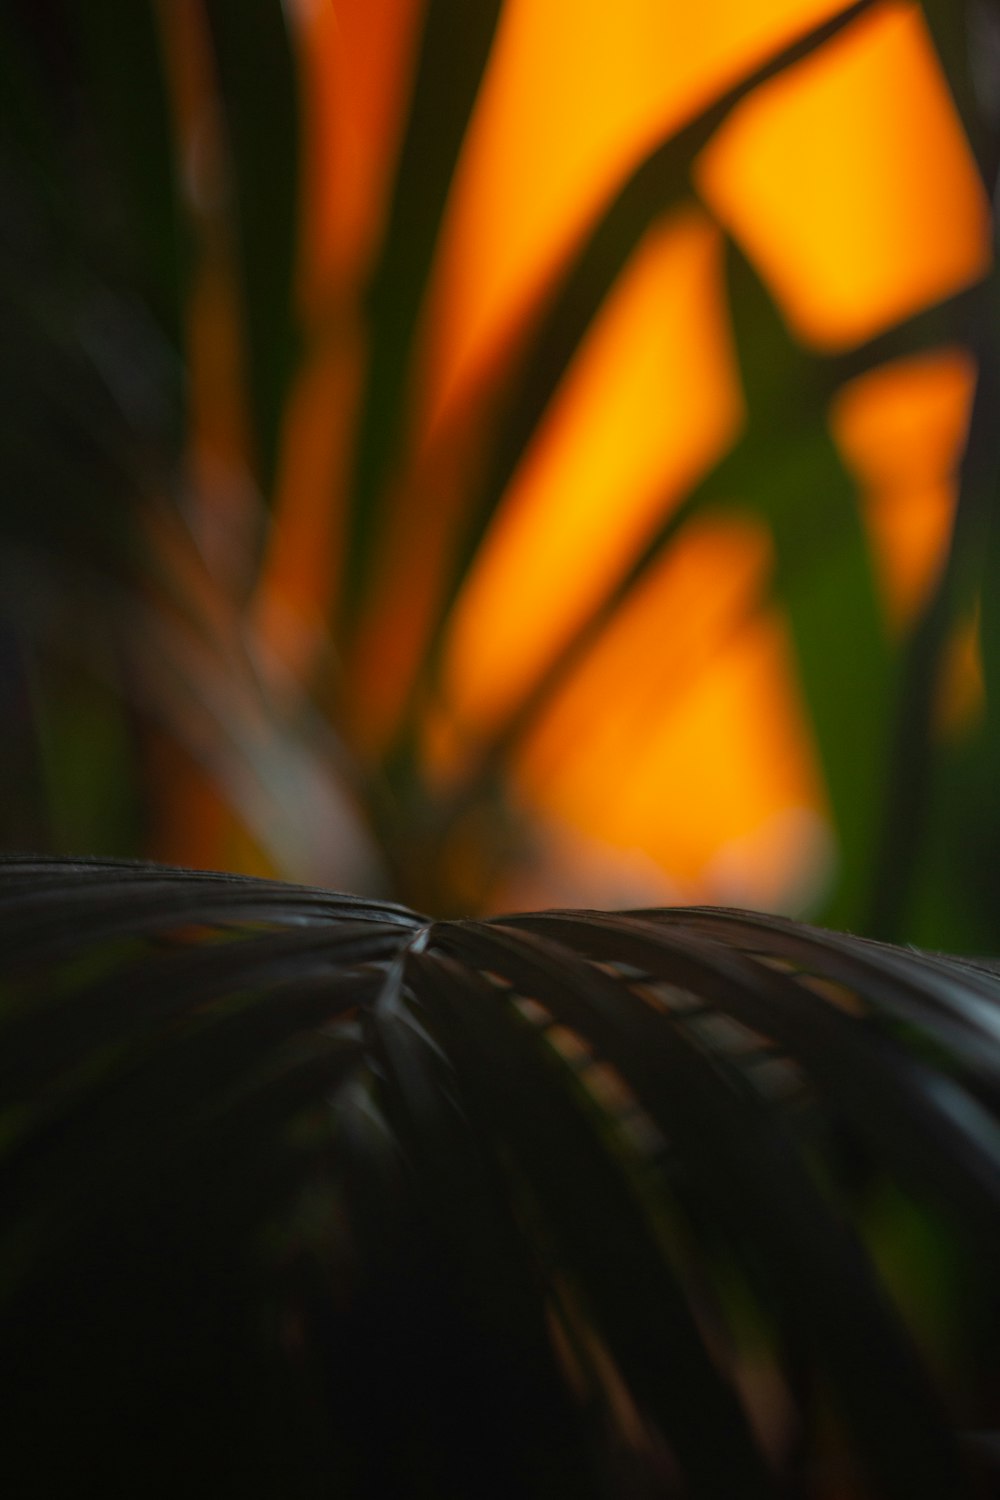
(507, 454)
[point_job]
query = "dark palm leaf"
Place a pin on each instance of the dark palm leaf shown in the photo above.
(303, 1194)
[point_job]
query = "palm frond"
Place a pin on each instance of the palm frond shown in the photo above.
(303, 1192)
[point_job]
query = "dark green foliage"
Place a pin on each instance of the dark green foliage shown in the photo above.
(258, 93)
(305, 1195)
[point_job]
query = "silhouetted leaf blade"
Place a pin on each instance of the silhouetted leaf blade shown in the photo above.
(454, 49)
(393, 1135)
(259, 91)
(824, 575)
(127, 88)
(907, 1113)
(600, 1235)
(750, 1176)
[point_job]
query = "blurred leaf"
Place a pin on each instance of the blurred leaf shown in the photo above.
(454, 51)
(30, 126)
(789, 472)
(89, 287)
(957, 31)
(126, 87)
(94, 297)
(87, 754)
(786, 471)
(916, 849)
(259, 93)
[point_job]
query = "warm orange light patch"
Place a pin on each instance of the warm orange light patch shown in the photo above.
(219, 440)
(650, 402)
(222, 506)
(901, 430)
(355, 58)
(960, 696)
(850, 182)
(682, 737)
(576, 93)
(294, 594)
(191, 821)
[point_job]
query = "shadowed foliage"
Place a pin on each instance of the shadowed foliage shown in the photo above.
(304, 1194)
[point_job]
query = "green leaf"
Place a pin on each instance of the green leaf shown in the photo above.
(788, 472)
(932, 830)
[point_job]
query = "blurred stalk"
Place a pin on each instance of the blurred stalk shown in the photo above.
(915, 760)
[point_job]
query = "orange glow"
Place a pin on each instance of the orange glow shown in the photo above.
(214, 352)
(901, 430)
(193, 823)
(295, 590)
(393, 631)
(355, 58)
(850, 182)
(650, 402)
(219, 426)
(192, 818)
(576, 93)
(677, 756)
(681, 737)
(221, 504)
(960, 698)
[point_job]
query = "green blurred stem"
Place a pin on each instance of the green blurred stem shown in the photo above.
(913, 756)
